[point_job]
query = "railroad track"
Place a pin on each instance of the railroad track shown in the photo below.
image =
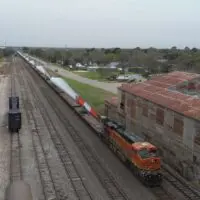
(188, 192)
(66, 158)
(161, 194)
(49, 189)
(15, 157)
(108, 182)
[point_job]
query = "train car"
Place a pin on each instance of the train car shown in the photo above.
(42, 72)
(14, 115)
(140, 156)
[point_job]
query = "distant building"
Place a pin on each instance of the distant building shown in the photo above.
(92, 68)
(166, 111)
(162, 60)
(79, 65)
(129, 77)
(113, 65)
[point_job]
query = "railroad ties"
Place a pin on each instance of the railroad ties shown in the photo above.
(14, 124)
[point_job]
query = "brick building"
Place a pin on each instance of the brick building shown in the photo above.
(166, 111)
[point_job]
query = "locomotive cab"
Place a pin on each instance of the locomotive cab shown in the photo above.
(141, 156)
(148, 162)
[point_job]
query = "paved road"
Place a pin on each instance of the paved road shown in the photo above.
(110, 87)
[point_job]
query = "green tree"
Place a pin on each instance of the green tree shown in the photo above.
(124, 57)
(8, 51)
(194, 50)
(25, 49)
(1, 54)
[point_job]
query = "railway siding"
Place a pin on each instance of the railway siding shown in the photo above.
(65, 157)
(52, 175)
(28, 164)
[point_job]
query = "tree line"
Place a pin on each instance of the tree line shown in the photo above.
(151, 59)
(6, 52)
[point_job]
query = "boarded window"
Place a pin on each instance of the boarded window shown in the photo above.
(133, 109)
(160, 116)
(145, 110)
(122, 103)
(178, 126)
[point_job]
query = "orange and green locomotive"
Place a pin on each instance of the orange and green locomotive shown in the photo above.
(141, 156)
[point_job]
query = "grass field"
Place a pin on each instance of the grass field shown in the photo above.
(99, 76)
(94, 96)
(96, 75)
(91, 75)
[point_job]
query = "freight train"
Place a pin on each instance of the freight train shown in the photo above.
(140, 156)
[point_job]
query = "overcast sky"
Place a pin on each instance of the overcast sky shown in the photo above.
(100, 23)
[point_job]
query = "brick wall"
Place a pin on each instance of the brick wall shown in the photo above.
(173, 133)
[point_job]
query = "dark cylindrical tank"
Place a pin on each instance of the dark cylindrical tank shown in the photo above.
(19, 190)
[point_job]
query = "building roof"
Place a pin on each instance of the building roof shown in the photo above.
(165, 91)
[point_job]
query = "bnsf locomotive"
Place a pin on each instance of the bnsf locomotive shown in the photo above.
(140, 156)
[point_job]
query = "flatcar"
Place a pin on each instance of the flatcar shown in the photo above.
(140, 156)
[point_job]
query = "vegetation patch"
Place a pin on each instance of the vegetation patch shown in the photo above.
(4, 69)
(99, 74)
(94, 96)
(137, 60)
(1, 61)
(91, 75)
